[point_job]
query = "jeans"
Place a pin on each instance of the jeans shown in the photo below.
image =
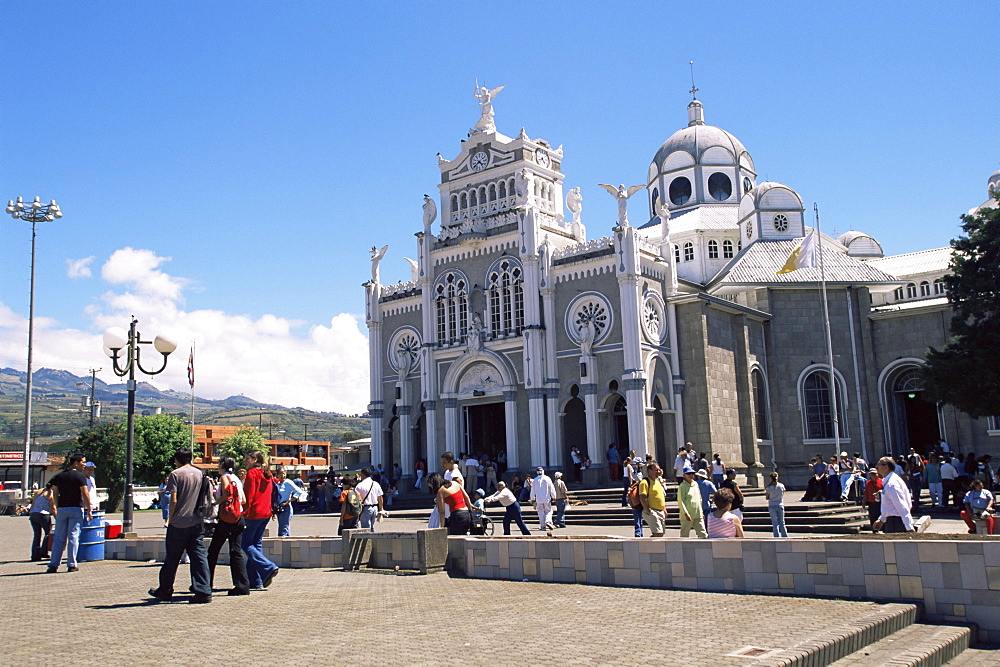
(68, 522)
(777, 513)
(232, 533)
(935, 489)
(832, 487)
(459, 522)
(637, 521)
(513, 513)
(284, 519)
(717, 479)
(41, 524)
(846, 479)
(368, 515)
(915, 483)
(259, 567)
(181, 541)
(560, 513)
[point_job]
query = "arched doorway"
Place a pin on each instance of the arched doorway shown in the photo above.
(619, 423)
(575, 427)
(659, 438)
(419, 437)
(913, 421)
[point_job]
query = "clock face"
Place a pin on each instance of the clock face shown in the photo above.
(479, 161)
(541, 157)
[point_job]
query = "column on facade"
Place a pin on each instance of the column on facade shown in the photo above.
(405, 439)
(431, 435)
(375, 389)
(510, 423)
(536, 423)
(677, 380)
(550, 368)
(452, 427)
(589, 391)
(634, 376)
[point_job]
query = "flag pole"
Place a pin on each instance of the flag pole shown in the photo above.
(191, 382)
(829, 338)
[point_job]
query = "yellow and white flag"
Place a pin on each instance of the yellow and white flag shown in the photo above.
(804, 256)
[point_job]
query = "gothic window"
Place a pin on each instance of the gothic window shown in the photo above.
(502, 190)
(760, 405)
(482, 195)
(505, 297)
(677, 254)
(473, 199)
(464, 201)
(816, 405)
(938, 286)
(688, 252)
(493, 192)
(739, 243)
(713, 249)
(451, 306)
(727, 249)
(454, 203)
(589, 314)
(911, 291)
(925, 288)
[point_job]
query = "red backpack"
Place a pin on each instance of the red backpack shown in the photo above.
(231, 510)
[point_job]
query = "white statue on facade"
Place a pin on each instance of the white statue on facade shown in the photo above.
(667, 248)
(621, 194)
(430, 213)
(377, 256)
(404, 362)
(574, 202)
(586, 333)
(475, 340)
(485, 97)
(522, 187)
(414, 269)
(663, 213)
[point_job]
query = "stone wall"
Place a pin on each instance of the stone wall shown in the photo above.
(956, 581)
(292, 552)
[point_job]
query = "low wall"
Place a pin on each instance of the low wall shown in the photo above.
(294, 552)
(956, 581)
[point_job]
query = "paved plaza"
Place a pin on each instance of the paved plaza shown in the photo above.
(312, 616)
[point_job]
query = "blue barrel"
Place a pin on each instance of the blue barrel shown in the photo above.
(92, 539)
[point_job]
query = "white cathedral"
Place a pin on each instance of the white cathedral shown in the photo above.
(518, 334)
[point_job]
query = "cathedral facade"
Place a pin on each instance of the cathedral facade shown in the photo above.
(519, 335)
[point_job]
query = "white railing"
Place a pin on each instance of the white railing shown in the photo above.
(583, 248)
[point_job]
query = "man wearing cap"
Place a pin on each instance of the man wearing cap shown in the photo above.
(512, 511)
(543, 491)
(896, 502)
(562, 497)
(88, 469)
(653, 499)
(70, 503)
(707, 488)
(689, 502)
(680, 463)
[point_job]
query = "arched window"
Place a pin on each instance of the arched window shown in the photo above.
(677, 254)
(898, 294)
(655, 200)
(727, 249)
(713, 249)
(473, 199)
(816, 406)
(938, 286)
(911, 291)
(493, 192)
(464, 202)
(454, 203)
(760, 405)
(925, 288)
(482, 194)
(688, 252)
(451, 307)
(505, 298)
(502, 190)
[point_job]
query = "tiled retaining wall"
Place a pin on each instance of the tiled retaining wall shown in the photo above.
(283, 551)
(957, 581)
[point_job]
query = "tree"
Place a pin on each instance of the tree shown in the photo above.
(157, 439)
(348, 436)
(965, 373)
(104, 444)
(246, 439)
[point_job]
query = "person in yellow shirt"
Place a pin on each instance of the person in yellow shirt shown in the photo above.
(653, 499)
(689, 499)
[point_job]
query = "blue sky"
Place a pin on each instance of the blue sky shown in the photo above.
(226, 166)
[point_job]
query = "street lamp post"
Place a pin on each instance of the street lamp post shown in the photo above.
(34, 213)
(115, 340)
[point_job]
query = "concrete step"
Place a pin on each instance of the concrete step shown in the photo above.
(916, 645)
(976, 657)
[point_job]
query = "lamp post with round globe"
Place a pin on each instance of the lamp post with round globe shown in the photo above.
(34, 213)
(117, 340)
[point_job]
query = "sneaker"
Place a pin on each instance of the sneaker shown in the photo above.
(270, 578)
(155, 593)
(51, 570)
(72, 569)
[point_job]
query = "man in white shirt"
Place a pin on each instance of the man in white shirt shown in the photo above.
(543, 491)
(949, 488)
(89, 468)
(471, 472)
(680, 463)
(896, 502)
(512, 511)
(370, 493)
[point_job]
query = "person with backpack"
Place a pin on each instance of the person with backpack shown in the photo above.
(350, 505)
(190, 504)
(653, 498)
(258, 488)
(229, 528)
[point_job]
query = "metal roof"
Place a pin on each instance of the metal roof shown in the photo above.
(759, 262)
(710, 217)
(936, 260)
(696, 139)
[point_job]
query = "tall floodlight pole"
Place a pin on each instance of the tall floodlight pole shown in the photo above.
(34, 213)
(116, 340)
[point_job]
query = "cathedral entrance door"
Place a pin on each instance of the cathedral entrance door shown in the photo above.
(484, 429)
(915, 419)
(619, 425)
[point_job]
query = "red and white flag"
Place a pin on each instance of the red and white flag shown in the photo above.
(191, 368)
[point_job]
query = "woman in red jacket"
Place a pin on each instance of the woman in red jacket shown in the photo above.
(258, 491)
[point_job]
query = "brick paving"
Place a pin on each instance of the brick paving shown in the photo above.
(323, 616)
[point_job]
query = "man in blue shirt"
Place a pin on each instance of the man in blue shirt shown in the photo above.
(707, 488)
(614, 459)
(286, 491)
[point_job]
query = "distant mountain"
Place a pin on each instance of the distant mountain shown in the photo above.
(60, 399)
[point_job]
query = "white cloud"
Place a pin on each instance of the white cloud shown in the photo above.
(79, 268)
(268, 358)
